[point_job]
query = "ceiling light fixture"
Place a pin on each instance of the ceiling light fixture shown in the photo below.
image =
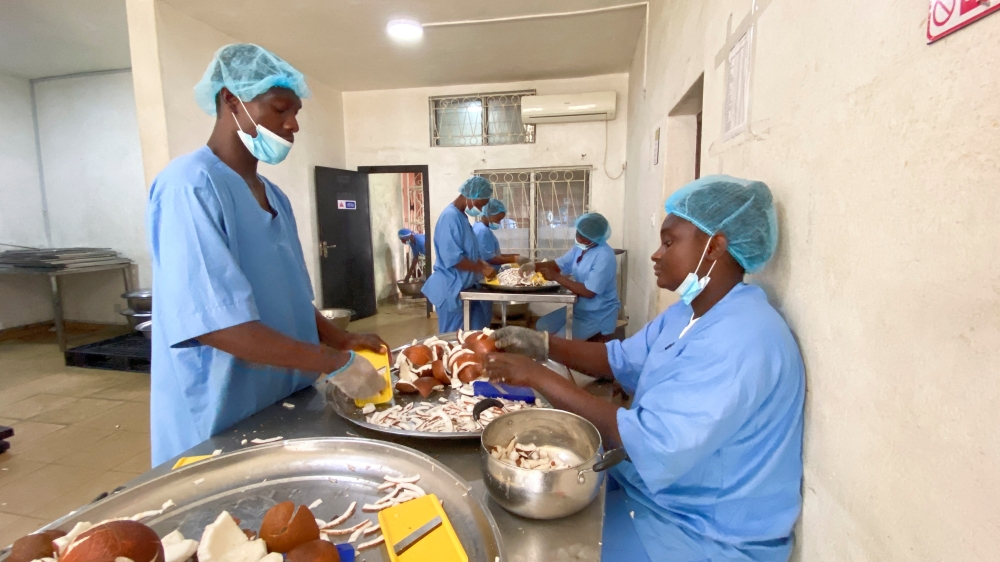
(404, 30)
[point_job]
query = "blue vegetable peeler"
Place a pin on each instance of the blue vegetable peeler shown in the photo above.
(500, 390)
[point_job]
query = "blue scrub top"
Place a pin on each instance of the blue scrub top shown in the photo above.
(714, 432)
(417, 244)
(453, 241)
(489, 246)
(219, 260)
(597, 270)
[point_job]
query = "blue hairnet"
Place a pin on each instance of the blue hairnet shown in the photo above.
(494, 207)
(594, 227)
(741, 209)
(405, 232)
(246, 70)
(477, 187)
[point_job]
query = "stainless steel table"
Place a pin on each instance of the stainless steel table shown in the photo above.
(561, 296)
(577, 537)
(128, 275)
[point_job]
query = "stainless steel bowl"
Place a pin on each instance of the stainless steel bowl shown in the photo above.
(545, 494)
(514, 309)
(341, 317)
(140, 301)
(411, 289)
(135, 317)
(146, 328)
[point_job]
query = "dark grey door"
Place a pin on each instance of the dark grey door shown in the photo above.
(345, 241)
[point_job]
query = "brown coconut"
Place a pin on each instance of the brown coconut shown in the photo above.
(32, 547)
(285, 527)
(314, 551)
(116, 539)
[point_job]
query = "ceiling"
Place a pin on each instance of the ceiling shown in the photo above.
(41, 38)
(343, 43)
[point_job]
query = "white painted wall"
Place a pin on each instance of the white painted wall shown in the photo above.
(23, 299)
(177, 49)
(391, 127)
(386, 202)
(92, 167)
(882, 154)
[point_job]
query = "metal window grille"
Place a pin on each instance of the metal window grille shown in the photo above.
(479, 119)
(542, 207)
(737, 87)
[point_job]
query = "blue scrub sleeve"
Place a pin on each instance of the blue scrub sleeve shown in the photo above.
(628, 357)
(197, 270)
(703, 397)
(601, 277)
(565, 261)
(448, 244)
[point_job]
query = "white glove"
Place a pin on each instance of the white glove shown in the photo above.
(357, 378)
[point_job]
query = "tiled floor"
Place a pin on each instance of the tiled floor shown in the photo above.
(81, 432)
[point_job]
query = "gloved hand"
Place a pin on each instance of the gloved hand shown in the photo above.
(487, 270)
(521, 260)
(522, 341)
(357, 378)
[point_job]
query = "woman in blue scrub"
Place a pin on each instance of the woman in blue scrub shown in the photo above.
(415, 241)
(457, 265)
(235, 328)
(591, 263)
(489, 247)
(714, 429)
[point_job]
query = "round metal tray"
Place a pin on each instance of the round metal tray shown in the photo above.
(345, 407)
(549, 286)
(248, 482)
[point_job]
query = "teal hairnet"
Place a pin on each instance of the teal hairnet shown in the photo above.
(477, 187)
(246, 70)
(494, 207)
(741, 209)
(594, 227)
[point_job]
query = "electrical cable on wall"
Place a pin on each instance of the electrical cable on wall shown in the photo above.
(606, 127)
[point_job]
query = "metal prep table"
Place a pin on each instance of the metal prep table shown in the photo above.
(577, 537)
(562, 296)
(128, 274)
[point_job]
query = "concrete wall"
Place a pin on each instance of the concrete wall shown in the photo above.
(882, 155)
(386, 200)
(391, 127)
(92, 166)
(23, 300)
(174, 50)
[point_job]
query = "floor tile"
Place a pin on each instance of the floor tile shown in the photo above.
(136, 390)
(81, 496)
(25, 432)
(14, 467)
(19, 527)
(35, 405)
(77, 411)
(138, 464)
(131, 416)
(110, 451)
(62, 443)
(31, 492)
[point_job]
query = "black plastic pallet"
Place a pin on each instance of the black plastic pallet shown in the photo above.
(130, 352)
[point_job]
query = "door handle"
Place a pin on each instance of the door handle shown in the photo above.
(324, 248)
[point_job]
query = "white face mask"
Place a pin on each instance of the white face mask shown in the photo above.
(692, 286)
(267, 147)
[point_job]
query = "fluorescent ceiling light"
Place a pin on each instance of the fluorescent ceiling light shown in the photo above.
(405, 30)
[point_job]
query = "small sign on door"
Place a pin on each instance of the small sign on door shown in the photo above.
(348, 205)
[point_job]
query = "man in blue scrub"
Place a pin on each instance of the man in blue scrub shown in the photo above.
(489, 247)
(235, 329)
(714, 429)
(457, 265)
(415, 241)
(591, 263)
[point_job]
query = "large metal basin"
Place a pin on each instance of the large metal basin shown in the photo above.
(340, 317)
(411, 289)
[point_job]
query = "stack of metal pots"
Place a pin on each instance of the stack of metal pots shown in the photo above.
(140, 311)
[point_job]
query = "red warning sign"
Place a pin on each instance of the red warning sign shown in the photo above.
(948, 16)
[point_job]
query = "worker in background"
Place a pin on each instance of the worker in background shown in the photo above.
(714, 429)
(457, 263)
(489, 247)
(415, 241)
(591, 264)
(235, 328)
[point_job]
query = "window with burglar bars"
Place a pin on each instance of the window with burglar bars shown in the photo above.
(479, 120)
(542, 207)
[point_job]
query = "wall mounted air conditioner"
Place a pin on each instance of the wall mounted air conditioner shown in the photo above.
(568, 108)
